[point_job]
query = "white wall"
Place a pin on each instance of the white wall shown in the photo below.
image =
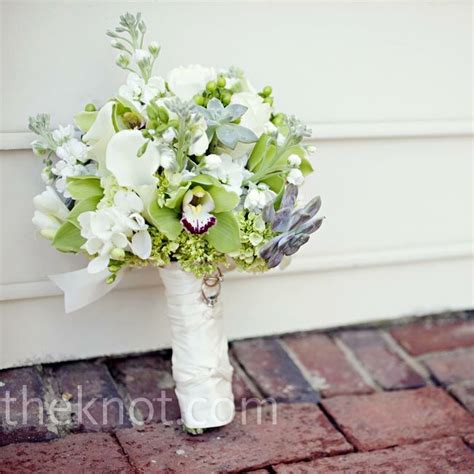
(387, 88)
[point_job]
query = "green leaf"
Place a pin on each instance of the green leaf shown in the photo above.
(225, 235)
(276, 183)
(84, 187)
(175, 201)
(306, 167)
(165, 220)
(258, 152)
(206, 180)
(68, 238)
(89, 204)
(224, 200)
(85, 120)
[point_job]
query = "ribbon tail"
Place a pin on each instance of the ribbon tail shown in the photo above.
(81, 288)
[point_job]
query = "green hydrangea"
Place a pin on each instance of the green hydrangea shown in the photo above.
(254, 234)
(196, 255)
(110, 185)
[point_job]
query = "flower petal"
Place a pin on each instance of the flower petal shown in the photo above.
(141, 244)
(98, 264)
(122, 160)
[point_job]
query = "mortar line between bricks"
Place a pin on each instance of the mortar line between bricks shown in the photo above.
(409, 360)
(459, 402)
(114, 436)
(456, 351)
(304, 371)
(357, 364)
(245, 377)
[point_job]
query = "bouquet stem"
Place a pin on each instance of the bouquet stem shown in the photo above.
(201, 367)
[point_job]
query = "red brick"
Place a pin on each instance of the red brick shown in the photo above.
(464, 392)
(301, 431)
(24, 387)
(387, 368)
(449, 455)
(277, 376)
(95, 402)
(429, 336)
(79, 453)
(244, 393)
(452, 367)
(327, 365)
(149, 377)
(389, 419)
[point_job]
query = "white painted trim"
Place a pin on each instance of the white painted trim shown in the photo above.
(324, 131)
(314, 264)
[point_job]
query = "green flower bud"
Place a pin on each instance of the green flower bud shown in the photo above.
(267, 90)
(111, 278)
(221, 81)
(90, 108)
(163, 114)
(268, 100)
(211, 86)
(199, 99)
(117, 254)
(226, 98)
(278, 119)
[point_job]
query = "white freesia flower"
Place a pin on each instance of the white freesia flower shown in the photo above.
(231, 172)
(99, 135)
(120, 226)
(294, 160)
(186, 82)
(141, 93)
(258, 112)
(122, 160)
(258, 197)
(63, 134)
(197, 207)
(50, 212)
(295, 176)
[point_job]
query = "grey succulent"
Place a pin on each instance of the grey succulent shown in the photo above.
(293, 226)
(219, 122)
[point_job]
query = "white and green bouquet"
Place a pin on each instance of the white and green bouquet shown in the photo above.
(193, 174)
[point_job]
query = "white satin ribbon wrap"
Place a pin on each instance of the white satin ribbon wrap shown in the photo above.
(201, 367)
(81, 288)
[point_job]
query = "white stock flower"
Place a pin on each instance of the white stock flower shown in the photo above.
(258, 197)
(139, 92)
(258, 113)
(63, 170)
(199, 139)
(270, 128)
(169, 135)
(294, 160)
(50, 212)
(72, 151)
(140, 55)
(212, 162)
(99, 135)
(122, 160)
(230, 172)
(186, 82)
(63, 134)
(295, 176)
(120, 226)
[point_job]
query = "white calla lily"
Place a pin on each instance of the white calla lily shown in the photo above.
(99, 135)
(122, 160)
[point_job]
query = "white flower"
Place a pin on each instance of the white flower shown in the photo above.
(295, 176)
(99, 135)
(167, 157)
(169, 135)
(270, 128)
(258, 197)
(139, 93)
(212, 162)
(231, 172)
(72, 151)
(294, 160)
(63, 170)
(50, 212)
(120, 226)
(63, 134)
(197, 207)
(122, 160)
(141, 55)
(199, 139)
(281, 139)
(258, 113)
(186, 82)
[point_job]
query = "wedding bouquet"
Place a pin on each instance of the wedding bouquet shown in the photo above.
(192, 174)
